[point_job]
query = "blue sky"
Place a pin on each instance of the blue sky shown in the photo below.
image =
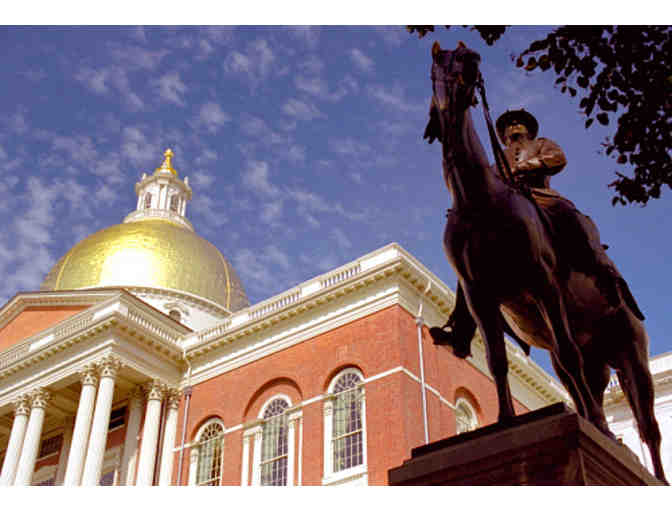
(303, 146)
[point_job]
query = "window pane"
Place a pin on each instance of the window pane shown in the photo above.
(347, 423)
(210, 455)
(274, 444)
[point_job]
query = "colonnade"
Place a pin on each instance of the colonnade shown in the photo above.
(89, 437)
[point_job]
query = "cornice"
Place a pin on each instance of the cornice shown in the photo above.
(239, 340)
(79, 297)
(124, 314)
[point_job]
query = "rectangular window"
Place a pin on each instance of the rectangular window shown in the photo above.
(210, 461)
(274, 451)
(347, 433)
(50, 446)
(117, 418)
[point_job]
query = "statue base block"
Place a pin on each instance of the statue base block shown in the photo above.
(550, 446)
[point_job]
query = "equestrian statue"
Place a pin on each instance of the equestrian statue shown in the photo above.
(529, 264)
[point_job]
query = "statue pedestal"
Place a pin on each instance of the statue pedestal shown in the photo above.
(550, 446)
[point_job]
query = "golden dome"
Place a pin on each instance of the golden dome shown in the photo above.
(149, 253)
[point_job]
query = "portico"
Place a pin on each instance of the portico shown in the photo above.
(94, 385)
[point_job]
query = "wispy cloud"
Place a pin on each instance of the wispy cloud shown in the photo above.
(301, 110)
(136, 147)
(113, 78)
(394, 96)
(256, 178)
(256, 63)
(361, 61)
(171, 88)
(212, 117)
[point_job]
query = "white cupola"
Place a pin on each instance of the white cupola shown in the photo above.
(162, 195)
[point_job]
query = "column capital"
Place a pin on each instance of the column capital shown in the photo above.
(22, 405)
(89, 375)
(109, 365)
(155, 390)
(39, 398)
(137, 396)
(173, 396)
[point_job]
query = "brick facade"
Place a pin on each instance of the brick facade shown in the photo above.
(384, 347)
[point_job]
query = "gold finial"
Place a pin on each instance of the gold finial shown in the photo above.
(167, 165)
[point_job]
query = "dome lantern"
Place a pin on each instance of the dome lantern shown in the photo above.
(162, 195)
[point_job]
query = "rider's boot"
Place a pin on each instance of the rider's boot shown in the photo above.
(459, 330)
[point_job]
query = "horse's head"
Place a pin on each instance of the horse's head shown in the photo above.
(455, 75)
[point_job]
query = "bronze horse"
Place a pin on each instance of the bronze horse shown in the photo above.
(513, 280)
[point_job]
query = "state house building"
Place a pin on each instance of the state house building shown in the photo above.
(140, 361)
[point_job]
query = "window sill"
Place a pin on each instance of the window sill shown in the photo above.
(346, 476)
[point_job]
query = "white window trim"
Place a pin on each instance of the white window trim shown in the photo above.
(464, 402)
(356, 474)
(195, 451)
(256, 429)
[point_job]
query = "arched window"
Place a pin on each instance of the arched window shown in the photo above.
(345, 426)
(209, 451)
(274, 443)
(148, 200)
(465, 416)
(174, 202)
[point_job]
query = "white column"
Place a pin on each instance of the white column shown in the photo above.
(291, 447)
(108, 368)
(244, 475)
(21, 412)
(31, 443)
(256, 457)
(150, 434)
(64, 455)
(129, 459)
(80, 437)
(328, 412)
(167, 453)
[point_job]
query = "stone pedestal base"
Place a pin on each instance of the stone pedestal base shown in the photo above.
(551, 446)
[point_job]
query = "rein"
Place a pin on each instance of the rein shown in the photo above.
(500, 161)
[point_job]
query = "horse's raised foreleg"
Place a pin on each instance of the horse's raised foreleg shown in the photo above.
(489, 320)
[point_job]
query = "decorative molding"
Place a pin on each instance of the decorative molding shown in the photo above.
(136, 398)
(89, 375)
(109, 365)
(155, 390)
(124, 313)
(39, 398)
(173, 398)
(22, 405)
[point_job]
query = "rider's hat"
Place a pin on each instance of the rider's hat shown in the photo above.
(522, 116)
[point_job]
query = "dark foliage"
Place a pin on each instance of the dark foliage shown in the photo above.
(622, 75)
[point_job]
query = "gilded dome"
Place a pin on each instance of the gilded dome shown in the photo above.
(149, 253)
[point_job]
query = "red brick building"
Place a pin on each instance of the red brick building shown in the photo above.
(129, 368)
